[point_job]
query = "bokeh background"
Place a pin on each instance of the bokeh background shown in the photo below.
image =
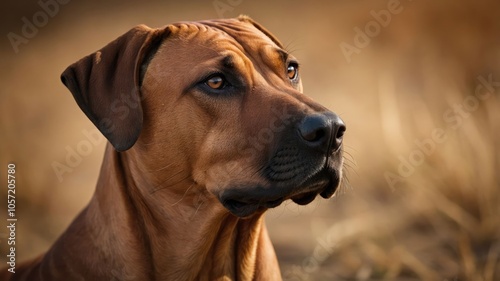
(418, 93)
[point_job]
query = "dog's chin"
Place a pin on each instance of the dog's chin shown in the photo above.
(247, 201)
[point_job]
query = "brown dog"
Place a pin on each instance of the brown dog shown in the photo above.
(207, 128)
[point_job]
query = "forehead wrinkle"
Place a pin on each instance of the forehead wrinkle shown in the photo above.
(243, 53)
(246, 37)
(274, 59)
(259, 58)
(223, 44)
(238, 29)
(240, 65)
(191, 31)
(284, 55)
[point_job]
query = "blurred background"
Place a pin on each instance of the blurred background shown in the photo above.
(417, 83)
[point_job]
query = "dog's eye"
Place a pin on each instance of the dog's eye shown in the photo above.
(292, 71)
(216, 82)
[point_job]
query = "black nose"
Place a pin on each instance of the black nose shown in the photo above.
(322, 131)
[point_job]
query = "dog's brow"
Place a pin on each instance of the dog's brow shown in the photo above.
(283, 54)
(228, 62)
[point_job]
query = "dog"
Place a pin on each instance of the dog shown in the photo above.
(207, 128)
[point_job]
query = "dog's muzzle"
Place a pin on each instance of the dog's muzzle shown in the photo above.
(306, 162)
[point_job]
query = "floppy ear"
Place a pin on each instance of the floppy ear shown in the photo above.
(245, 18)
(106, 84)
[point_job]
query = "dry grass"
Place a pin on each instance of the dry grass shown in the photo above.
(439, 223)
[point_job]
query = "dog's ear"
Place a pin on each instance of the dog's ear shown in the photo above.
(245, 18)
(106, 84)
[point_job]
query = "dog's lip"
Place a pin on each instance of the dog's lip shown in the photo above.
(329, 189)
(244, 206)
(304, 198)
(326, 188)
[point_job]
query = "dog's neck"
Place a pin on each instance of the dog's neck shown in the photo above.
(148, 234)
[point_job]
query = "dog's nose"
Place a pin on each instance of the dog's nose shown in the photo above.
(322, 131)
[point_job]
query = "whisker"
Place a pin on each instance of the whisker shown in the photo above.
(183, 195)
(346, 184)
(199, 206)
(350, 158)
(163, 168)
(169, 178)
(350, 147)
(350, 164)
(349, 169)
(292, 49)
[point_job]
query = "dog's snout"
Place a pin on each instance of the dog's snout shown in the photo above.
(314, 129)
(321, 130)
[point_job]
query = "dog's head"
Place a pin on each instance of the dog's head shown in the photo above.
(219, 101)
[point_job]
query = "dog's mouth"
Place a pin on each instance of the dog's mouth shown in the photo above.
(246, 201)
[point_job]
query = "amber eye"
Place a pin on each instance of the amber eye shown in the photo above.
(216, 82)
(292, 71)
